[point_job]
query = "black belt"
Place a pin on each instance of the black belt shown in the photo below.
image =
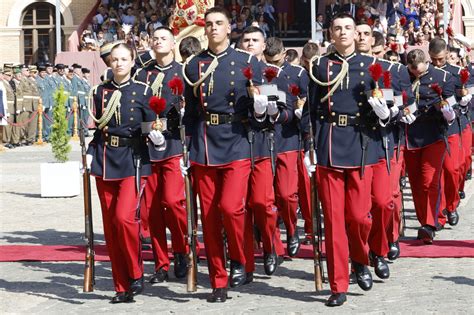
(342, 120)
(116, 141)
(219, 119)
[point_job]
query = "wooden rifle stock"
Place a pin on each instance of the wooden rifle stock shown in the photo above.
(316, 220)
(191, 277)
(89, 268)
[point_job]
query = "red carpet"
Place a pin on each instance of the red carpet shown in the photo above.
(412, 248)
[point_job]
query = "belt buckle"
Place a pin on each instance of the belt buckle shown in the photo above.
(342, 121)
(214, 119)
(114, 141)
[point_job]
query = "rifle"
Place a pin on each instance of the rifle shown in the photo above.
(191, 285)
(89, 268)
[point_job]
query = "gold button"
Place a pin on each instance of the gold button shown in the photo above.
(334, 123)
(208, 123)
(431, 79)
(333, 114)
(360, 104)
(133, 101)
(106, 143)
(131, 118)
(232, 72)
(231, 93)
(203, 94)
(231, 82)
(357, 114)
(132, 109)
(330, 63)
(134, 93)
(105, 92)
(231, 103)
(232, 63)
(373, 128)
(429, 85)
(330, 72)
(105, 100)
(362, 82)
(205, 104)
(362, 73)
(106, 134)
(322, 117)
(361, 64)
(203, 84)
(331, 103)
(361, 93)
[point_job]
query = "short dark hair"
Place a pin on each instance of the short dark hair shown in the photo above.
(253, 29)
(378, 39)
(190, 45)
(166, 28)
(391, 53)
(455, 50)
(220, 10)
(274, 46)
(291, 55)
(415, 57)
(437, 45)
(342, 15)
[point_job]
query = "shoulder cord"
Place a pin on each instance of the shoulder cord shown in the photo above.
(157, 84)
(336, 82)
(209, 70)
(112, 108)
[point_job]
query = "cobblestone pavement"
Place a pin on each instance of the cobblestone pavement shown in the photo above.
(416, 285)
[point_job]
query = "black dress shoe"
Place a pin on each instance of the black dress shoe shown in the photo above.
(469, 174)
(394, 250)
(159, 276)
(8, 145)
(363, 276)
(180, 265)
(426, 233)
(453, 218)
(137, 285)
(270, 263)
(293, 244)
(248, 278)
(122, 297)
(336, 299)
(462, 194)
(237, 274)
(218, 295)
(380, 266)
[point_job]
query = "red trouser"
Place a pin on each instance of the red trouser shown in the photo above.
(424, 173)
(222, 191)
(393, 229)
(164, 195)
(261, 210)
(118, 200)
(304, 195)
(286, 189)
(346, 202)
(450, 178)
(382, 208)
(466, 139)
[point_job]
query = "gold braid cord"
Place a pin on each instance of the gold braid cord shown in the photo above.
(416, 89)
(209, 70)
(336, 82)
(156, 85)
(112, 108)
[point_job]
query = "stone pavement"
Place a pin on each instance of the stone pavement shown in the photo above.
(415, 286)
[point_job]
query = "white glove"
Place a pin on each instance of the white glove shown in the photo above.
(181, 111)
(379, 105)
(310, 168)
(298, 112)
(448, 113)
(465, 100)
(394, 111)
(183, 168)
(260, 103)
(156, 137)
(272, 108)
(89, 158)
(408, 119)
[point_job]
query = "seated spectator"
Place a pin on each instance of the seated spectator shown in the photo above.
(129, 18)
(263, 25)
(237, 31)
(154, 22)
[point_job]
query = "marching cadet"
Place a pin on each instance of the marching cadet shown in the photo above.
(346, 148)
(220, 82)
(426, 138)
(11, 132)
(451, 172)
(118, 158)
(164, 192)
(31, 104)
(286, 177)
(261, 208)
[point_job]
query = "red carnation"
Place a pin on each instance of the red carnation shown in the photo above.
(394, 47)
(248, 73)
(157, 104)
(294, 89)
(404, 97)
(437, 89)
(176, 85)
(375, 71)
(387, 79)
(464, 75)
(403, 21)
(270, 73)
(450, 31)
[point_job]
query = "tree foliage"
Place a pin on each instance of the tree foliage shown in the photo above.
(59, 137)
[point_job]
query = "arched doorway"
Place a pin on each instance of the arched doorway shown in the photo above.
(38, 34)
